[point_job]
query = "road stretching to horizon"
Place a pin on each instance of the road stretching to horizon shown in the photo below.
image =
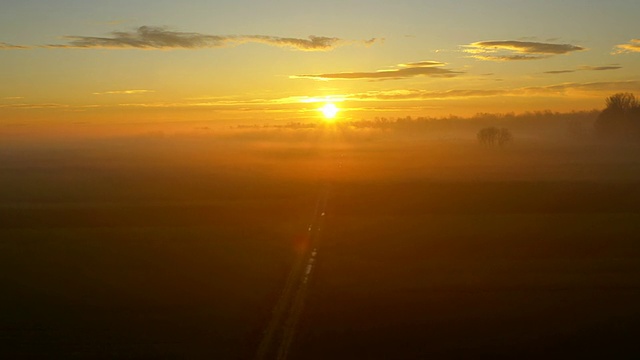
(280, 332)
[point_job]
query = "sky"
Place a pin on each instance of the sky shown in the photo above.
(136, 61)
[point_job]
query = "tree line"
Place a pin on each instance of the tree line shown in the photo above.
(619, 121)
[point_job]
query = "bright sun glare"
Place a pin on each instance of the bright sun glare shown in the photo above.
(329, 111)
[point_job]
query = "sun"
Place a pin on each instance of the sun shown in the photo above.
(329, 110)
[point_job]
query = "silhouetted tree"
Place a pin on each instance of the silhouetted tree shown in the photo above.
(620, 119)
(622, 102)
(490, 136)
(504, 136)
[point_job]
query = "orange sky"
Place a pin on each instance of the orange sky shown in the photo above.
(161, 62)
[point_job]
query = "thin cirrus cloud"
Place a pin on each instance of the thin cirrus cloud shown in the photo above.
(124, 92)
(585, 68)
(152, 37)
(513, 50)
(5, 46)
(632, 46)
(588, 89)
(585, 89)
(402, 71)
(34, 106)
(558, 89)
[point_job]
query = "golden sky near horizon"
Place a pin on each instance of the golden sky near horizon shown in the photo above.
(249, 61)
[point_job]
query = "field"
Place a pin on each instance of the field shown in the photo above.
(415, 278)
(178, 247)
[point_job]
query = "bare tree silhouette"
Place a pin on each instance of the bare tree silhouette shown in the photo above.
(490, 136)
(622, 102)
(620, 120)
(504, 136)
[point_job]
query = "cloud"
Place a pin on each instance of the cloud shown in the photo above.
(514, 50)
(599, 89)
(423, 64)
(372, 41)
(391, 95)
(152, 37)
(5, 46)
(300, 103)
(560, 71)
(34, 106)
(509, 57)
(585, 68)
(595, 88)
(603, 86)
(527, 47)
(313, 43)
(600, 68)
(402, 71)
(632, 46)
(123, 92)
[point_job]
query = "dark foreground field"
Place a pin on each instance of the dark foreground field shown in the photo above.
(424, 272)
(133, 281)
(113, 253)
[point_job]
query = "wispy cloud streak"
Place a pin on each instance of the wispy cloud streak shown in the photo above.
(34, 106)
(152, 37)
(632, 46)
(560, 71)
(402, 71)
(6, 46)
(297, 103)
(557, 89)
(585, 68)
(123, 92)
(599, 68)
(514, 50)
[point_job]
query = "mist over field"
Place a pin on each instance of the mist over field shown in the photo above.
(176, 244)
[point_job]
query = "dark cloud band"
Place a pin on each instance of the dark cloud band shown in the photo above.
(5, 46)
(151, 37)
(585, 68)
(421, 68)
(513, 50)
